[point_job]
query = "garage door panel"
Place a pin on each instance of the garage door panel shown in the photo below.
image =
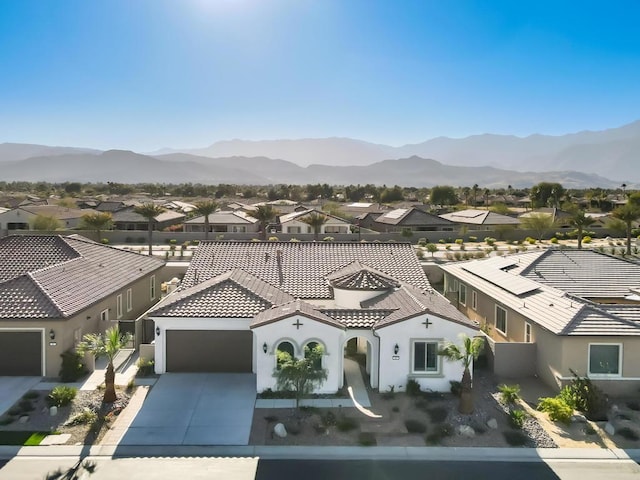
(209, 351)
(20, 353)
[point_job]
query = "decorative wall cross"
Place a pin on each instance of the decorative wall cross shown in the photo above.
(298, 324)
(426, 323)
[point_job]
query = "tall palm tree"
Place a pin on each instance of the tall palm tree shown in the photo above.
(315, 221)
(580, 221)
(264, 214)
(206, 209)
(97, 221)
(106, 345)
(467, 353)
(474, 193)
(628, 213)
(149, 211)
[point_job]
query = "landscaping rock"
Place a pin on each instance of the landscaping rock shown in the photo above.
(53, 411)
(578, 418)
(492, 423)
(466, 431)
(610, 429)
(279, 430)
(23, 419)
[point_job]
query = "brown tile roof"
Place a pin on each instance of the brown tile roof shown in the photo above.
(357, 276)
(354, 318)
(289, 309)
(56, 277)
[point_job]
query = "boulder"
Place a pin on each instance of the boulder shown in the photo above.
(492, 423)
(610, 429)
(279, 430)
(23, 419)
(53, 411)
(578, 418)
(465, 431)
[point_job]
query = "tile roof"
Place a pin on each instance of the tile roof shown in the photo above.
(128, 214)
(411, 216)
(56, 277)
(480, 217)
(61, 213)
(300, 268)
(235, 294)
(291, 308)
(354, 318)
(225, 218)
(357, 276)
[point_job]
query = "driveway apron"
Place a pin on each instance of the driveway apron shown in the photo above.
(196, 409)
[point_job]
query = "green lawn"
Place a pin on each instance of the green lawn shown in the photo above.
(28, 439)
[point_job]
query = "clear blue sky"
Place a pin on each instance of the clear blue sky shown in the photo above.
(145, 74)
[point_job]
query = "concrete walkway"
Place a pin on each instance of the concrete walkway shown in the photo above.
(119, 428)
(355, 381)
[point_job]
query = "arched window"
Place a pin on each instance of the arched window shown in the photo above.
(307, 351)
(283, 347)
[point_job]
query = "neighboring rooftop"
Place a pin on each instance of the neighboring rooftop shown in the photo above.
(480, 217)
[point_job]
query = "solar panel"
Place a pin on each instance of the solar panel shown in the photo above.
(511, 283)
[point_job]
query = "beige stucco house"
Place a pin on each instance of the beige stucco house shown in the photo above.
(55, 289)
(553, 311)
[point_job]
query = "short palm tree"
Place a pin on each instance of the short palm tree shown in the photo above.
(467, 353)
(206, 209)
(106, 345)
(264, 214)
(580, 221)
(149, 211)
(97, 221)
(315, 221)
(628, 213)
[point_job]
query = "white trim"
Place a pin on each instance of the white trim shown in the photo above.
(152, 287)
(495, 320)
(438, 370)
(104, 315)
(462, 287)
(527, 332)
(129, 299)
(604, 375)
(119, 308)
(474, 300)
(43, 366)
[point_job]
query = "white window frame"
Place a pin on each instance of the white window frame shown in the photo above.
(104, 315)
(605, 375)
(119, 306)
(504, 332)
(152, 287)
(129, 300)
(474, 300)
(527, 333)
(462, 288)
(426, 341)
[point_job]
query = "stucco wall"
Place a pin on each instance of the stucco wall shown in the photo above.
(510, 359)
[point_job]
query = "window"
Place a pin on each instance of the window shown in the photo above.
(294, 230)
(462, 294)
(605, 359)
(310, 346)
(153, 287)
(119, 306)
(335, 229)
(425, 357)
(104, 315)
(283, 347)
(501, 319)
(474, 300)
(527, 332)
(129, 300)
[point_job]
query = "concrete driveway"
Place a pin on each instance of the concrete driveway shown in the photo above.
(13, 388)
(196, 409)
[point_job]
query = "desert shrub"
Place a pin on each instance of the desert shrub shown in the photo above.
(457, 256)
(509, 393)
(420, 254)
(517, 418)
(273, 239)
(556, 408)
(329, 419)
(145, 367)
(131, 384)
(438, 414)
(31, 395)
(104, 241)
(442, 241)
(86, 417)
(456, 387)
(413, 388)
(586, 239)
(459, 241)
(582, 395)
(423, 242)
(328, 239)
(72, 367)
(441, 431)
(294, 427)
(553, 240)
(627, 433)
(515, 438)
(62, 395)
(530, 240)
(173, 241)
(473, 239)
(415, 426)
(346, 424)
(26, 406)
(367, 439)
(489, 241)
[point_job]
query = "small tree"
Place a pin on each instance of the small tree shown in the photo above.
(149, 211)
(432, 248)
(628, 214)
(97, 221)
(580, 221)
(205, 209)
(315, 221)
(467, 353)
(45, 223)
(264, 214)
(538, 222)
(106, 345)
(303, 375)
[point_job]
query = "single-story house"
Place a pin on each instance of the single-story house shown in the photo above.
(553, 311)
(561, 219)
(481, 219)
(129, 219)
(412, 218)
(293, 223)
(21, 218)
(54, 289)
(242, 302)
(235, 221)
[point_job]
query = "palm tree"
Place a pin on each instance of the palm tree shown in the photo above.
(628, 213)
(580, 221)
(315, 221)
(206, 209)
(106, 345)
(149, 211)
(470, 350)
(264, 214)
(466, 192)
(97, 221)
(474, 193)
(485, 196)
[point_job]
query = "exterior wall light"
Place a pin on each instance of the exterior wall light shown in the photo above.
(396, 349)
(265, 347)
(52, 334)
(157, 331)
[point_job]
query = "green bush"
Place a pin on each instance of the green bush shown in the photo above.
(145, 367)
(104, 241)
(86, 417)
(530, 240)
(553, 240)
(459, 241)
(556, 408)
(72, 367)
(509, 393)
(413, 388)
(346, 424)
(173, 241)
(586, 239)
(441, 241)
(415, 426)
(489, 241)
(423, 242)
(582, 395)
(329, 419)
(273, 239)
(62, 395)
(31, 395)
(473, 239)
(515, 438)
(328, 239)
(517, 418)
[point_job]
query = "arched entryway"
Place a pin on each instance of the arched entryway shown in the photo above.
(358, 350)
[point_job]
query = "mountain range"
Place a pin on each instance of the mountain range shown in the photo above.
(586, 159)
